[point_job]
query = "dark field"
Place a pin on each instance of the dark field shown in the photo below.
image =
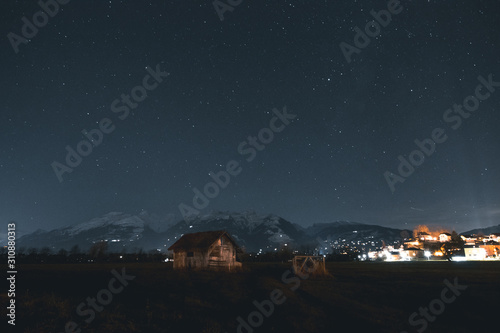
(358, 297)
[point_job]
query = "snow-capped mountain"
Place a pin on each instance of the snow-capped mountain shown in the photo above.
(253, 232)
(250, 230)
(120, 230)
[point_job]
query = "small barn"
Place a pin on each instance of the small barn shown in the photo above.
(205, 250)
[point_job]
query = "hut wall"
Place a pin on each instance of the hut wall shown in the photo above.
(195, 260)
(223, 254)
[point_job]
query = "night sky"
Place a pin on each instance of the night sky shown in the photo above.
(352, 119)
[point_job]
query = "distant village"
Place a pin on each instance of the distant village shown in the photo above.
(426, 245)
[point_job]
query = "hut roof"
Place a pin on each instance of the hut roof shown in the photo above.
(200, 240)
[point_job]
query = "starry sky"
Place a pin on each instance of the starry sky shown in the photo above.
(352, 119)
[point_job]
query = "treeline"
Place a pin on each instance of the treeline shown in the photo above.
(97, 253)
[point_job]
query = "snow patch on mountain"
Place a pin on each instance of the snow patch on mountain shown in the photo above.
(248, 220)
(120, 220)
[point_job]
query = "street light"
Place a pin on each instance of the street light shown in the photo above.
(427, 254)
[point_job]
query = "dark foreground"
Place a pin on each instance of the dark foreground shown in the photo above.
(358, 297)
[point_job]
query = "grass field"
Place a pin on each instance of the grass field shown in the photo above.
(357, 297)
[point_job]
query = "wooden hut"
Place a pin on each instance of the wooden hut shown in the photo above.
(205, 250)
